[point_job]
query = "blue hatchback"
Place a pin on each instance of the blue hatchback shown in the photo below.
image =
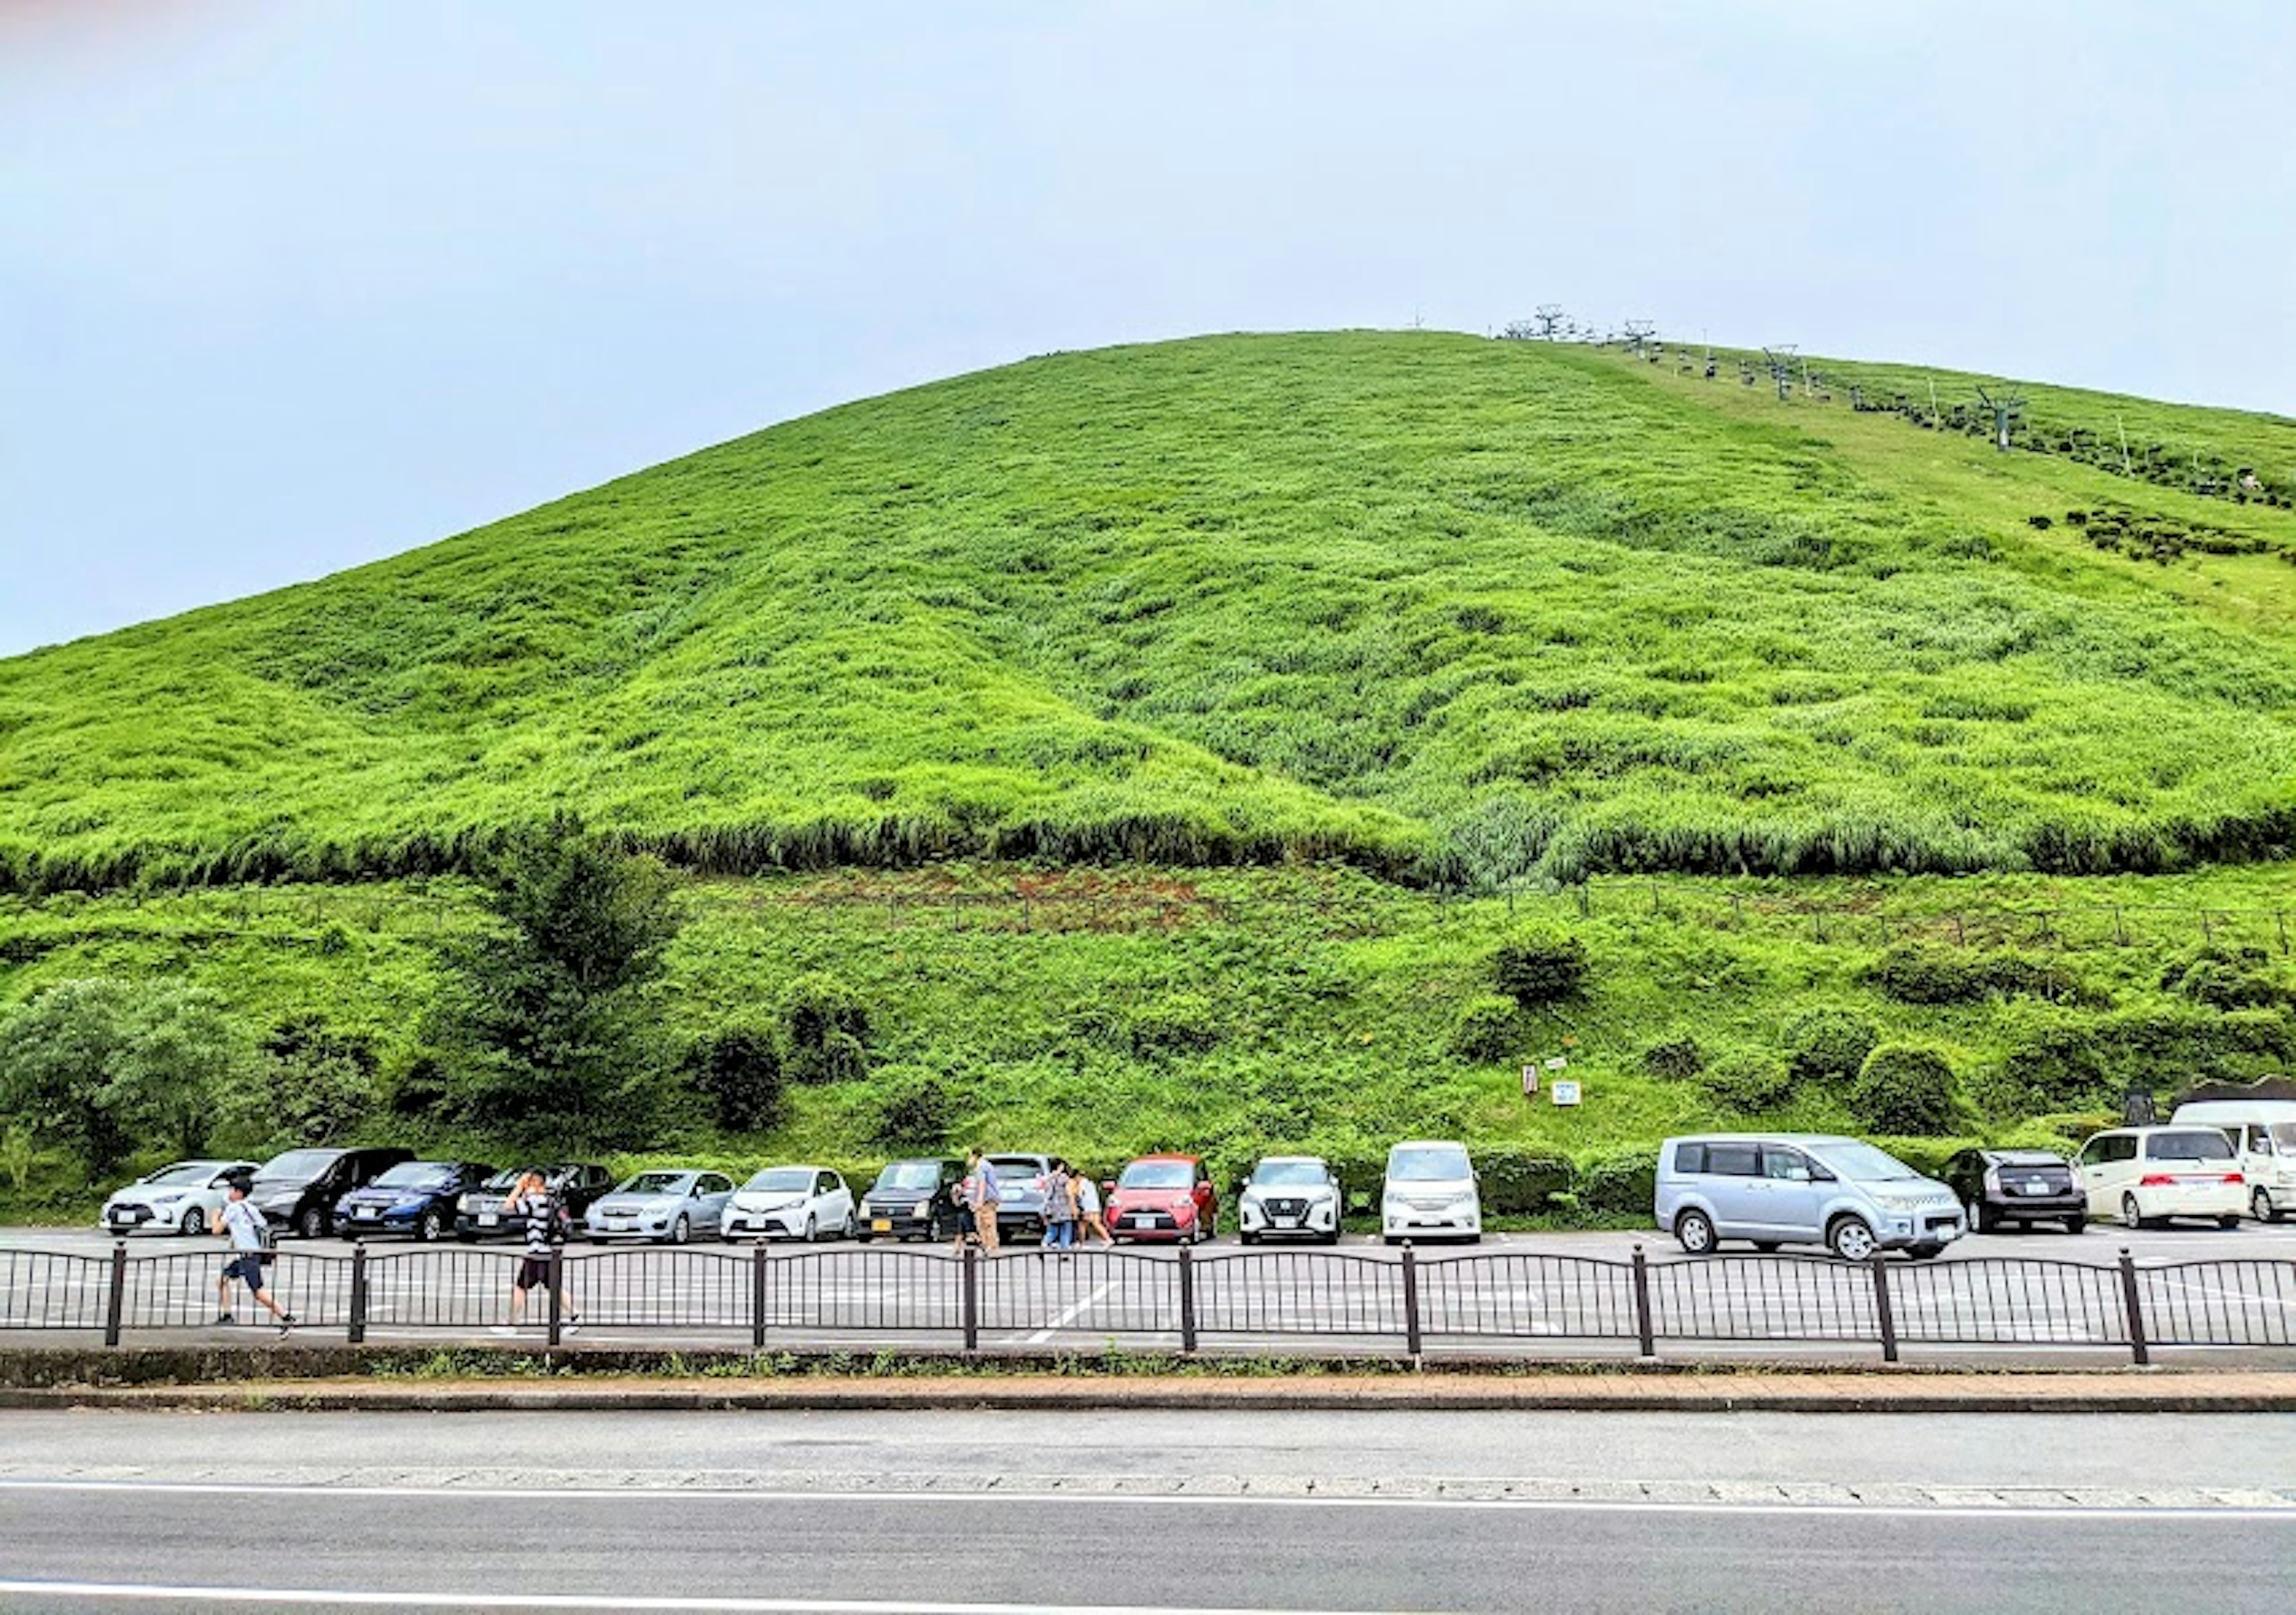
(415, 1197)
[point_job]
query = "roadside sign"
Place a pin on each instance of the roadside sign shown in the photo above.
(1559, 1062)
(1530, 1080)
(1565, 1091)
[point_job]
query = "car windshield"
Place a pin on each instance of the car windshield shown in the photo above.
(1862, 1163)
(785, 1178)
(1429, 1163)
(2201, 1143)
(1286, 1174)
(1020, 1171)
(1157, 1175)
(657, 1182)
(504, 1181)
(910, 1175)
(2284, 1134)
(185, 1173)
(298, 1164)
(410, 1174)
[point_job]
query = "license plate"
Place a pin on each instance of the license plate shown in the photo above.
(487, 1220)
(1144, 1222)
(881, 1225)
(2035, 1186)
(369, 1212)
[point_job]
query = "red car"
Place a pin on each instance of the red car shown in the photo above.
(1163, 1197)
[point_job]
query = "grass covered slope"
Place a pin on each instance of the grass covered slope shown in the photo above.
(1426, 603)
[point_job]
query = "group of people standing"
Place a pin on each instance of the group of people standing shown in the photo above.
(1072, 1206)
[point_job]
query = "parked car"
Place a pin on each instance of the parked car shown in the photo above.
(1163, 1197)
(670, 1206)
(2148, 1176)
(2263, 1133)
(576, 1184)
(1291, 1197)
(1800, 1189)
(1431, 1192)
(416, 1197)
(1021, 1178)
(791, 1203)
(184, 1198)
(913, 1199)
(298, 1190)
(2016, 1186)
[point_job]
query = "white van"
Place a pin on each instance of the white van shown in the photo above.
(2146, 1176)
(1430, 1193)
(2263, 1133)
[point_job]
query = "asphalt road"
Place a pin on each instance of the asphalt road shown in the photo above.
(1106, 1512)
(1521, 1293)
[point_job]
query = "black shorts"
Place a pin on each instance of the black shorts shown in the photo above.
(247, 1264)
(532, 1271)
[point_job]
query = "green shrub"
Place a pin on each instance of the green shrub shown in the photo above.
(1517, 1182)
(916, 1112)
(1179, 1023)
(2050, 1064)
(1618, 1183)
(736, 1071)
(1914, 975)
(1903, 1088)
(1827, 1046)
(1539, 969)
(1489, 1029)
(1675, 1059)
(825, 1029)
(1747, 1082)
(2226, 978)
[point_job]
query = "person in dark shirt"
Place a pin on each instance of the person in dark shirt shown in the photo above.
(545, 1238)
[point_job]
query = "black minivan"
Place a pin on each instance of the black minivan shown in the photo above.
(298, 1190)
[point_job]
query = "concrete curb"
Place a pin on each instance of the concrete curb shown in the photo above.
(1773, 1392)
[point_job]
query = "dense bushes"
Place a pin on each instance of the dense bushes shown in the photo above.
(2227, 978)
(915, 1113)
(1177, 1023)
(736, 1071)
(1903, 1088)
(1538, 969)
(1827, 1046)
(1489, 1029)
(1674, 1059)
(1930, 976)
(1518, 1182)
(825, 1029)
(1747, 1082)
(1619, 1183)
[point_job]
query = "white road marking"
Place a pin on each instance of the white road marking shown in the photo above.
(1069, 1314)
(600, 1601)
(2284, 1514)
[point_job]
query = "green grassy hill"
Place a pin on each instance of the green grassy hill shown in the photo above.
(1427, 604)
(1122, 729)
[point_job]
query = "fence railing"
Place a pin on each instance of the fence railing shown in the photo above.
(1261, 1298)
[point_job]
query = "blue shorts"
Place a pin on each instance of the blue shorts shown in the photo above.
(247, 1264)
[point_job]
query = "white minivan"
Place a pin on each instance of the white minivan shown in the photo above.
(2263, 1134)
(1430, 1193)
(2146, 1176)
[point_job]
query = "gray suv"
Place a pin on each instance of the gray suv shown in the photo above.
(1800, 1189)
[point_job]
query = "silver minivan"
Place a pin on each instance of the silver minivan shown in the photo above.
(1800, 1189)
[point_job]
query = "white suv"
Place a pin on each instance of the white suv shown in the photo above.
(2146, 1176)
(1430, 1193)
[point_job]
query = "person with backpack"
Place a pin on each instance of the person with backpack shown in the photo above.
(1059, 1209)
(251, 1241)
(547, 1221)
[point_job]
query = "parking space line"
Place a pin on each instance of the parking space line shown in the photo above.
(728, 1605)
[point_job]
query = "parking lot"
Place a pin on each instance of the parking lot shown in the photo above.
(2048, 1296)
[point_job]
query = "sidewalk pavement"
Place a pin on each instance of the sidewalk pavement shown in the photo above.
(1862, 1392)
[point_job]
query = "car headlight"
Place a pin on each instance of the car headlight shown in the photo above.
(923, 1208)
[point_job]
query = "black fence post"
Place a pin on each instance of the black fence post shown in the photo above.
(1188, 1303)
(2137, 1343)
(116, 1301)
(1884, 1310)
(357, 1332)
(1646, 1326)
(972, 1300)
(1411, 1340)
(557, 1260)
(758, 1296)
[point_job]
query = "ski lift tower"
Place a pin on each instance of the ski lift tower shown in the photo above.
(1782, 368)
(1550, 320)
(2007, 410)
(1639, 333)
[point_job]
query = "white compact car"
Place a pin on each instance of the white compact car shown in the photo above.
(2146, 1176)
(184, 1198)
(791, 1203)
(1431, 1193)
(1291, 1197)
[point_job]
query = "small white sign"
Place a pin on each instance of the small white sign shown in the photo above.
(1565, 1091)
(1558, 1062)
(1530, 1080)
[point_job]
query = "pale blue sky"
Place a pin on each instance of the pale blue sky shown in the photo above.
(288, 286)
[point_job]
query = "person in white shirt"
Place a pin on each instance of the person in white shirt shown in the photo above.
(248, 1240)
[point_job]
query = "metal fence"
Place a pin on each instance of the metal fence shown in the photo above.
(1270, 1299)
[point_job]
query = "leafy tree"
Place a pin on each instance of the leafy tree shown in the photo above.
(737, 1070)
(312, 1085)
(545, 1032)
(106, 1065)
